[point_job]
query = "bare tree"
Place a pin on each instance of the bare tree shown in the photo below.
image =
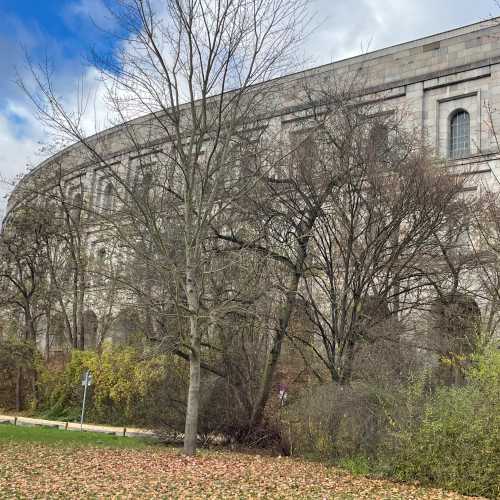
(66, 248)
(22, 262)
(192, 66)
(23, 282)
(482, 244)
(376, 228)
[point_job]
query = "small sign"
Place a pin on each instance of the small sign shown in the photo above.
(86, 381)
(87, 378)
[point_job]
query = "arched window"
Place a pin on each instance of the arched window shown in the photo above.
(147, 182)
(101, 254)
(378, 141)
(76, 208)
(107, 200)
(459, 134)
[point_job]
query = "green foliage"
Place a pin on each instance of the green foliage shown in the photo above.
(128, 386)
(447, 436)
(456, 441)
(67, 439)
(359, 466)
(16, 356)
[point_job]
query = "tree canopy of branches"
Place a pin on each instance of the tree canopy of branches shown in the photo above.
(223, 219)
(191, 65)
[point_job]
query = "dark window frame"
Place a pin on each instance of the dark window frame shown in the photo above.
(459, 134)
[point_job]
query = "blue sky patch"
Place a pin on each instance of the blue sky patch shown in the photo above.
(64, 31)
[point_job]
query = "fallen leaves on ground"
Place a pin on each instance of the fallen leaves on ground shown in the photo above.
(39, 471)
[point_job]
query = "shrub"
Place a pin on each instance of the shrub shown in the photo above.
(18, 360)
(448, 436)
(359, 466)
(456, 441)
(128, 387)
(337, 422)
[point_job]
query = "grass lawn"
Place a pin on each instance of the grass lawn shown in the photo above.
(51, 463)
(68, 439)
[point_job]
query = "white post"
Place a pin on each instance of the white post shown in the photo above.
(85, 383)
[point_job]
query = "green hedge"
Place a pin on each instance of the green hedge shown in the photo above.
(128, 387)
(456, 441)
(447, 436)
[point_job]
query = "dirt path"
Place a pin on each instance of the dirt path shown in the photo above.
(72, 426)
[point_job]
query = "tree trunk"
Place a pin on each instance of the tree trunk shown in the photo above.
(34, 386)
(286, 313)
(81, 304)
(74, 312)
(347, 368)
(30, 332)
(19, 389)
(273, 358)
(193, 400)
(47, 334)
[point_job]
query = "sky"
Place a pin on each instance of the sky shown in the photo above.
(64, 32)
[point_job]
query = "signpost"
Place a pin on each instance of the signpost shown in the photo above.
(86, 381)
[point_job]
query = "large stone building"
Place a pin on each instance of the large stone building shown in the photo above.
(449, 84)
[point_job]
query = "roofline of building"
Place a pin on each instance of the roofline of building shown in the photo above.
(392, 49)
(444, 35)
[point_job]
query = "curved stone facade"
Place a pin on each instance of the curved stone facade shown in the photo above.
(432, 79)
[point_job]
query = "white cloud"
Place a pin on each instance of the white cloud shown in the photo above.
(345, 28)
(25, 141)
(90, 11)
(15, 154)
(350, 27)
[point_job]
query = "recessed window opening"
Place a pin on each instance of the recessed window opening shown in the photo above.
(76, 208)
(108, 197)
(459, 134)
